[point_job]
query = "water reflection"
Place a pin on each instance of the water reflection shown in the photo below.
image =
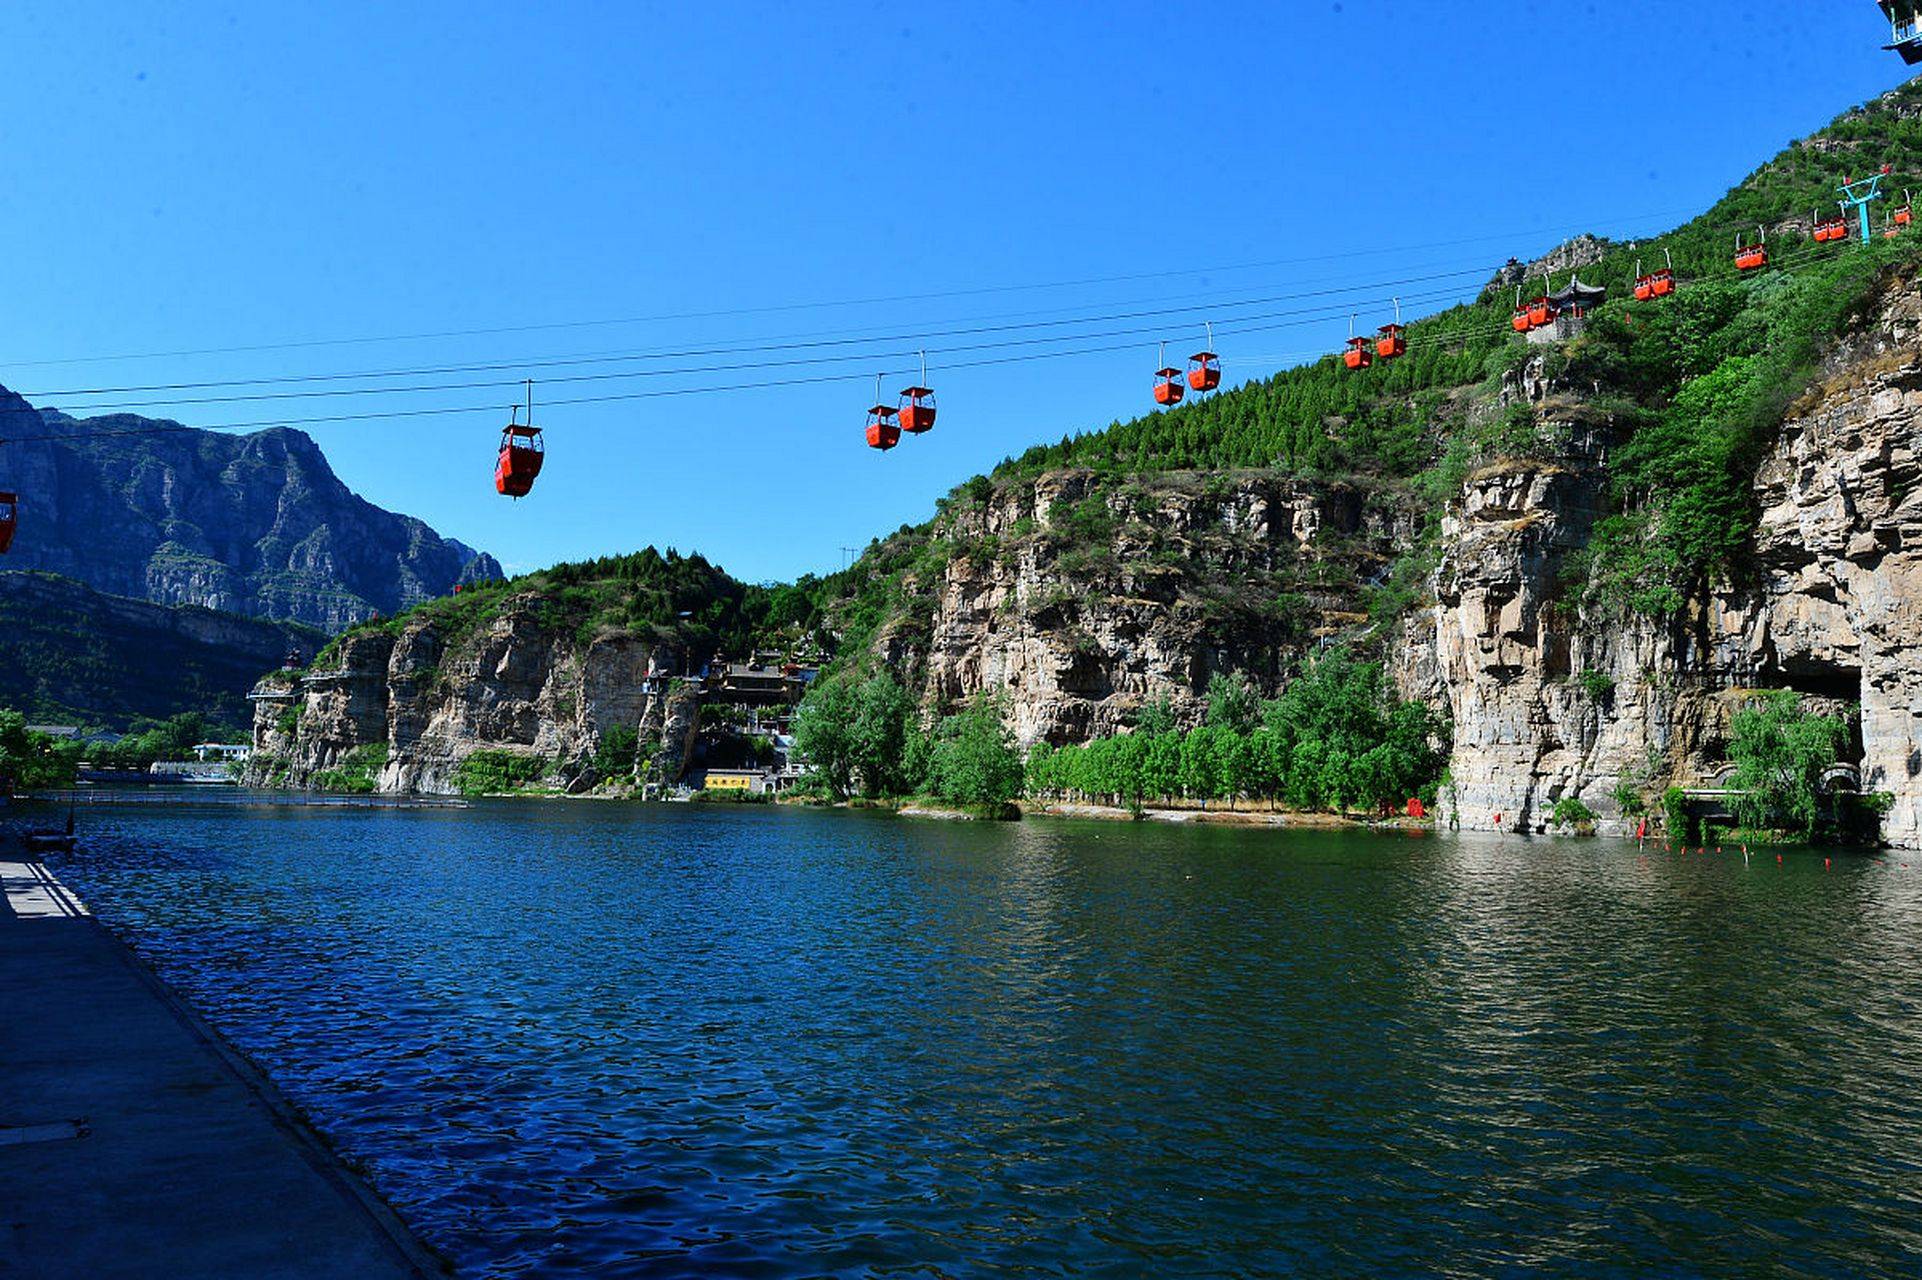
(583, 1039)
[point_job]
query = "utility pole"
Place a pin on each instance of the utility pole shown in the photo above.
(847, 557)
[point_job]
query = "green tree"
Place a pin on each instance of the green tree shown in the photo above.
(824, 732)
(1155, 717)
(1780, 751)
(30, 759)
(976, 762)
(884, 717)
(1232, 704)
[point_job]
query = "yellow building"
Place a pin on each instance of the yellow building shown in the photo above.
(733, 780)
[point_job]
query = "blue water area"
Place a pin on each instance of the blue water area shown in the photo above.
(572, 1039)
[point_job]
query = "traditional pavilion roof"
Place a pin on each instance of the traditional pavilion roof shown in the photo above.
(1577, 294)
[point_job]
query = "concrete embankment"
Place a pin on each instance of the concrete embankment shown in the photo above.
(133, 1144)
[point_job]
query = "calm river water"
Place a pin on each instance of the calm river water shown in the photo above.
(584, 1039)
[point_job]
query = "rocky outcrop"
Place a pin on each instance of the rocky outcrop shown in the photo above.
(1548, 702)
(514, 685)
(257, 525)
(1078, 600)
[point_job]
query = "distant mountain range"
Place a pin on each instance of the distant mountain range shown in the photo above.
(256, 525)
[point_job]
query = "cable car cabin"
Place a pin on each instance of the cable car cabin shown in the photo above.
(1542, 313)
(522, 452)
(1520, 323)
(1391, 342)
(1831, 230)
(1358, 356)
(9, 519)
(1204, 371)
(1903, 215)
(1662, 283)
(916, 413)
(1751, 257)
(1168, 390)
(883, 431)
(1644, 288)
(1905, 27)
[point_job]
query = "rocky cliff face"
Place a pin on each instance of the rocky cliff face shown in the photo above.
(1187, 575)
(1080, 596)
(1549, 702)
(256, 525)
(516, 685)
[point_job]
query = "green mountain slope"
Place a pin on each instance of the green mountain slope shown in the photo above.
(74, 655)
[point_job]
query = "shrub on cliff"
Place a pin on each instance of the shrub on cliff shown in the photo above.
(498, 772)
(358, 771)
(1781, 751)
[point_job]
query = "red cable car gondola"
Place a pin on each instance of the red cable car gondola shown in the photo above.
(1391, 340)
(883, 431)
(1358, 356)
(1168, 386)
(9, 519)
(1663, 281)
(1656, 284)
(1204, 367)
(1752, 257)
(1520, 323)
(1904, 213)
(916, 413)
(521, 454)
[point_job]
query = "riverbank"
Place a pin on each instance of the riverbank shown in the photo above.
(1226, 817)
(135, 1144)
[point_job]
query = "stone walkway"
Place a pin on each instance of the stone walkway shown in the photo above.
(133, 1144)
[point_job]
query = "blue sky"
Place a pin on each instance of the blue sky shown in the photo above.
(193, 178)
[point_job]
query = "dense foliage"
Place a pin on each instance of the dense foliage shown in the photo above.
(75, 656)
(975, 761)
(665, 596)
(1780, 751)
(1337, 739)
(29, 759)
(172, 739)
(866, 736)
(494, 772)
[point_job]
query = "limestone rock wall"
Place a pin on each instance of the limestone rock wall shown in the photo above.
(513, 686)
(1549, 703)
(1196, 576)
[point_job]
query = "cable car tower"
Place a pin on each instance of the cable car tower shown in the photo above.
(1863, 192)
(1905, 24)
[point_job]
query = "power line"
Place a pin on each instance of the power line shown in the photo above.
(1227, 323)
(780, 308)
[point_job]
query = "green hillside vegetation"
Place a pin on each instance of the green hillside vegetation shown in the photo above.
(663, 596)
(77, 656)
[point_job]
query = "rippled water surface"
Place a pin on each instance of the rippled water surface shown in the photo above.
(578, 1039)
